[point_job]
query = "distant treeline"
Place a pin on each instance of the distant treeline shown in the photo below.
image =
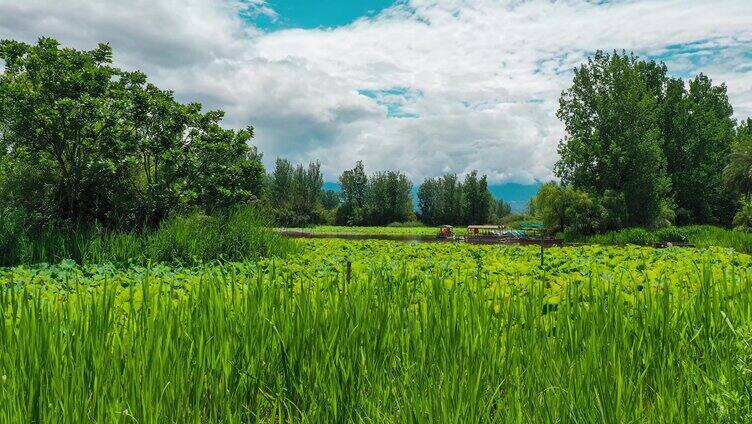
(296, 195)
(85, 143)
(448, 200)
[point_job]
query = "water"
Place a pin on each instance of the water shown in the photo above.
(414, 238)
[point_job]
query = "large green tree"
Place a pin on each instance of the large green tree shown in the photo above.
(96, 143)
(613, 139)
(698, 132)
(447, 200)
(61, 108)
(663, 144)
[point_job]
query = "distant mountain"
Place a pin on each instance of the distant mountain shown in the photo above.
(517, 195)
(332, 186)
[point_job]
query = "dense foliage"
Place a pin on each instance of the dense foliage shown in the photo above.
(738, 172)
(417, 333)
(85, 142)
(564, 208)
(240, 233)
(295, 193)
(661, 143)
(382, 199)
(447, 200)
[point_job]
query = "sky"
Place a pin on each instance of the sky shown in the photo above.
(423, 86)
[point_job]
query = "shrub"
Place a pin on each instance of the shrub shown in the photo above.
(244, 233)
(743, 217)
(672, 234)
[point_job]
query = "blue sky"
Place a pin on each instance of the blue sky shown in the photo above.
(319, 13)
(423, 86)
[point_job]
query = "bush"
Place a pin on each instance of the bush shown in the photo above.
(743, 217)
(672, 234)
(638, 236)
(244, 233)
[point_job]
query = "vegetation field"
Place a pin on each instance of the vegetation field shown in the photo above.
(412, 333)
(702, 236)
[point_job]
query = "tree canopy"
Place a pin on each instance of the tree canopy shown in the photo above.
(87, 142)
(663, 144)
(295, 193)
(83, 141)
(382, 199)
(447, 200)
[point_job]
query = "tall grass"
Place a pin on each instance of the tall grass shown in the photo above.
(387, 346)
(244, 233)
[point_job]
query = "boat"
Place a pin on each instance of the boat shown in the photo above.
(446, 232)
(527, 234)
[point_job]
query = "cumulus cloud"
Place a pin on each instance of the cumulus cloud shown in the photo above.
(426, 86)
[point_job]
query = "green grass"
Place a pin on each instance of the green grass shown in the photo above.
(699, 235)
(419, 333)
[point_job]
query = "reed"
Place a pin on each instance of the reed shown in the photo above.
(244, 233)
(252, 343)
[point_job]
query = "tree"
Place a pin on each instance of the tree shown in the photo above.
(330, 199)
(446, 200)
(280, 182)
(472, 197)
(744, 130)
(500, 209)
(103, 145)
(553, 205)
(633, 130)
(389, 199)
(698, 133)
(354, 185)
(429, 202)
(612, 136)
(296, 193)
(451, 208)
(737, 175)
(218, 168)
(564, 208)
(61, 104)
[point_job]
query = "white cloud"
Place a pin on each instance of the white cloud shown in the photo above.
(480, 79)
